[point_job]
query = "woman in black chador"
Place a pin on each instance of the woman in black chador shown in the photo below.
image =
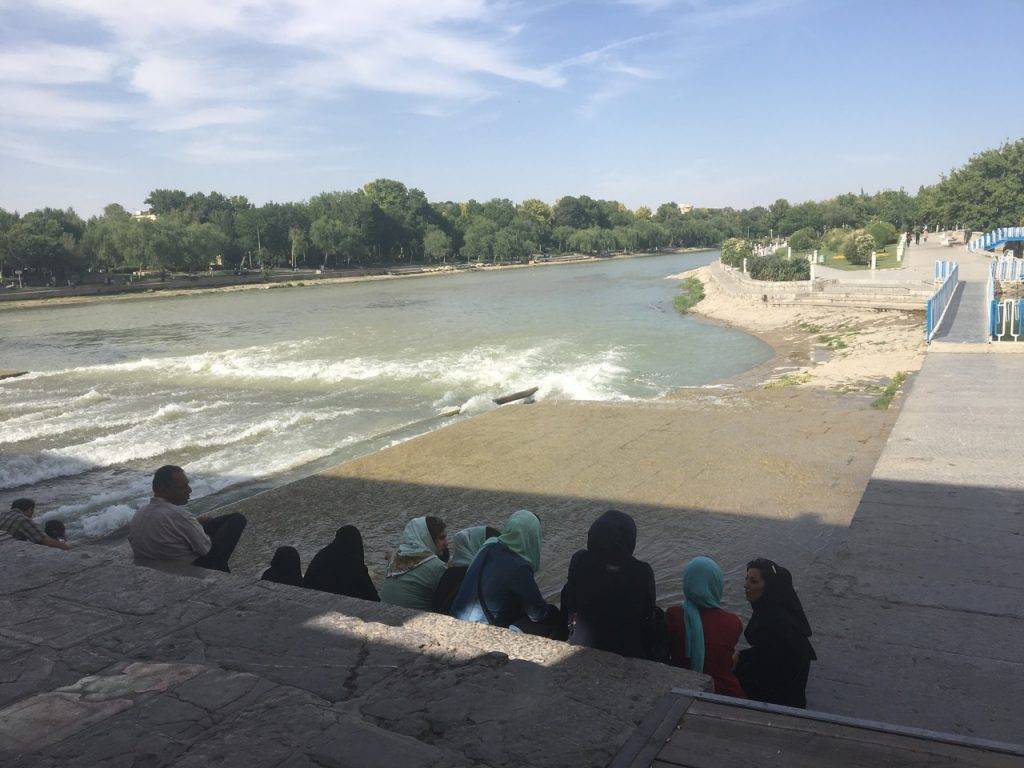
(339, 567)
(775, 667)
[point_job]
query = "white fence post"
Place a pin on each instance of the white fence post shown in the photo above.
(744, 265)
(873, 261)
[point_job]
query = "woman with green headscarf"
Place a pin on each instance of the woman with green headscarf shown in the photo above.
(416, 568)
(702, 636)
(463, 546)
(499, 587)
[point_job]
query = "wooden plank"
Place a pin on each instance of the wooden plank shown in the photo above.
(858, 724)
(704, 741)
(653, 732)
(742, 716)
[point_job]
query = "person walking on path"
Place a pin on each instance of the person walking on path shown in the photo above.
(18, 523)
(164, 532)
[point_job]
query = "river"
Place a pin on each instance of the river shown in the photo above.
(249, 389)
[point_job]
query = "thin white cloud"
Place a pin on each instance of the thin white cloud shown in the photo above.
(54, 64)
(231, 150)
(53, 110)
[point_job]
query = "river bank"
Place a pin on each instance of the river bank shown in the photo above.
(303, 280)
(838, 348)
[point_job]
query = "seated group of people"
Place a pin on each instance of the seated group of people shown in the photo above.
(484, 575)
(17, 523)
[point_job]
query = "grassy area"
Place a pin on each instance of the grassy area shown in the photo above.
(835, 259)
(691, 291)
(789, 380)
(884, 400)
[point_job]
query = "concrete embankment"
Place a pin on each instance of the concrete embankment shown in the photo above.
(104, 662)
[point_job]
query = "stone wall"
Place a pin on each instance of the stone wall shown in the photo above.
(105, 663)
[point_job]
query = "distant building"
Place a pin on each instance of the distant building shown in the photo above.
(144, 215)
(685, 207)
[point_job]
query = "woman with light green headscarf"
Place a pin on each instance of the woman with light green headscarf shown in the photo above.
(702, 636)
(415, 569)
(463, 545)
(500, 588)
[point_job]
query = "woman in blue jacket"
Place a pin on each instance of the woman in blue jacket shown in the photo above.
(500, 588)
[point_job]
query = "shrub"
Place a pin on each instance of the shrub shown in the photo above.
(833, 239)
(774, 268)
(858, 246)
(781, 252)
(734, 250)
(883, 232)
(804, 240)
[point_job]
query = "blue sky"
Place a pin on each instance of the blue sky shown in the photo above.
(735, 102)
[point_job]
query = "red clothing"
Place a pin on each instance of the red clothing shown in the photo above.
(721, 633)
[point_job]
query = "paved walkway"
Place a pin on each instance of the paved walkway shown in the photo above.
(966, 320)
(920, 616)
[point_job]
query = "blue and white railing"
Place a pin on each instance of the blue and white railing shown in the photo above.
(943, 269)
(1008, 269)
(990, 301)
(992, 240)
(937, 305)
(1007, 319)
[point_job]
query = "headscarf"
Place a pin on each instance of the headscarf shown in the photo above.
(285, 567)
(778, 608)
(417, 547)
(702, 588)
(612, 537)
(521, 534)
(340, 567)
(465, 544)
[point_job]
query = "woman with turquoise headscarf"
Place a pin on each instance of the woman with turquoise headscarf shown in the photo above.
(463, 546)
(703, 636)
(500, 588)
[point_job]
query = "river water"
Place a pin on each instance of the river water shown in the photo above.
(249, 389)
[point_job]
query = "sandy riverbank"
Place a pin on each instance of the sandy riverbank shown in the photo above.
(832, 347)
(308, 281)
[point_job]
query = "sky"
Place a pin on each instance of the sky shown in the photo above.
(709, 102)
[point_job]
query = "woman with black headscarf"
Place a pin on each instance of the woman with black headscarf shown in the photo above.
(285, 567)
(775, 667)
(609, 597)
(339, 567)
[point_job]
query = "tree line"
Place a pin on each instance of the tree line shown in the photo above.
(385, 222)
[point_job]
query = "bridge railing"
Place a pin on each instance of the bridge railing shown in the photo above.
(943, 270)
(994, 238)
(1007, 317)
(937, 305)
(1008, 269)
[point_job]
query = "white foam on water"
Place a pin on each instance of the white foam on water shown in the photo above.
(109, 519)
(149, 440)
(482, 368)
(94, 418)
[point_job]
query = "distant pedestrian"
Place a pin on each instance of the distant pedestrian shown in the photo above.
(165, 532)
(917, 237)
(924, 234)
(909, 237)
(17, 522)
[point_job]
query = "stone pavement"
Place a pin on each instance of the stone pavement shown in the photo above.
(966, 320)
(108, 664)
(920, 616)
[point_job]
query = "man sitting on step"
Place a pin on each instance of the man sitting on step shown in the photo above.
(164, 533)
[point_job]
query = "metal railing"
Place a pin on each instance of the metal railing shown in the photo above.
(1007, 319)
(990, 301)
(936, 307)
(943, 270)
(995, 238)
(1008, 268)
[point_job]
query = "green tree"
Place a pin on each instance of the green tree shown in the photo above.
(436, 244)
(163, 201)
(479, 239)
(335, 237)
